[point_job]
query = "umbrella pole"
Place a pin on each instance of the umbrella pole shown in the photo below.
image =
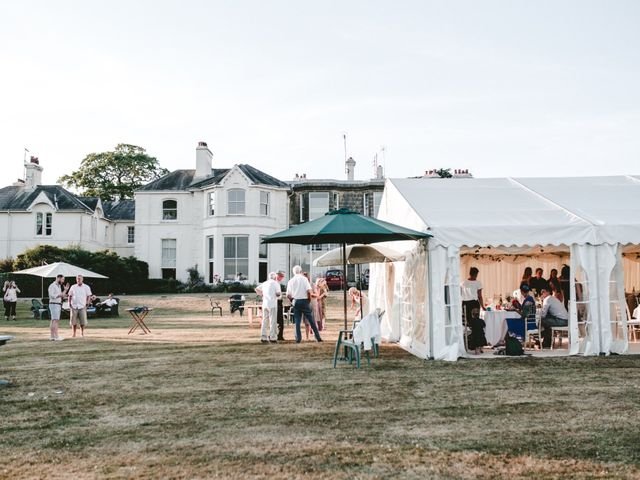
(344, 281)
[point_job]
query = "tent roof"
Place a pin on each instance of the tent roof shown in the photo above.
(519, 211)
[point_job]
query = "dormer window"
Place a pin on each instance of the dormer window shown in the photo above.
(235, 202)
(169, 210)
(44, 224)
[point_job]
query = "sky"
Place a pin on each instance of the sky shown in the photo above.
(502, 88)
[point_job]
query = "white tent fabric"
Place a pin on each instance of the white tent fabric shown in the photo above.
(591, 218)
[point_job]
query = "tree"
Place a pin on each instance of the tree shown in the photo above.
(116, 174)
(444, 173)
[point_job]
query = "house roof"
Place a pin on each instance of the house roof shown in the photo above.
(184, 179)
(120, 210)
(18, 198)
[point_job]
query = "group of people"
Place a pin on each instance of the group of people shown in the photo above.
(553, 294)
(308, 303)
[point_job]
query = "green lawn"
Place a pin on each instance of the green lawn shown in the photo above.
(201, 397)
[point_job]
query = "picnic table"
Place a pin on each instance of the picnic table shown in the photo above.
(255, 310)
(138, 314)
(3, 340)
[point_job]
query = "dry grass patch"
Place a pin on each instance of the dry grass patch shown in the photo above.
(201, 398)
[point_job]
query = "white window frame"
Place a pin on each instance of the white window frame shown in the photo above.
(376, 204)
(131, 234)
(236, 203)
(310, 209)
(44, 224)
(166, 246)
(211, 263)
(236, 258)
(166, 211)
(264, 203)
(212, 204)
(365, 204)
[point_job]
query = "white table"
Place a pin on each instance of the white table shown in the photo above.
(496, 324)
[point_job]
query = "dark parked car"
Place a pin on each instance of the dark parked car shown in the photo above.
(334, 279)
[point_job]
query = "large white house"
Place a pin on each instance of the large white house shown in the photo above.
(212, 219)
(33, 214)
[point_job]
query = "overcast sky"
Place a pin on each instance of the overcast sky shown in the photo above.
(503, 88)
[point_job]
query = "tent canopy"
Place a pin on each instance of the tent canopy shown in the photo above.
(520, 211)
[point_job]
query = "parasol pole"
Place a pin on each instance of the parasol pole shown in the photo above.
(344, 281)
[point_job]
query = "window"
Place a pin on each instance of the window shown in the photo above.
(263, 260)
(210, 260)
(169, 210)
(336, 201)
(44, 223)
(365, 204)
(212, 204)
(131, 234)
(235, 202)
(264, 203)
(377, 199)
(313, 205)
(236, 256)
(106, 232)
(169, 258)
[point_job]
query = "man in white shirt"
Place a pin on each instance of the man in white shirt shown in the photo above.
(56, 295)
(79, 297)
(270, 291)
(554, 314)
(471, 293)
(299, 292)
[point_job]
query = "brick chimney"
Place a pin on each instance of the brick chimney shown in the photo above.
(203, 161)
(32, 173)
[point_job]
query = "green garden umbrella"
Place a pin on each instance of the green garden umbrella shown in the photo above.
(344, 226)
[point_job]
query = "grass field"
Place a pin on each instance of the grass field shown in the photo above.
(201, 398)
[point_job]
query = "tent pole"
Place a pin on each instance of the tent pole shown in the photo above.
(344, 281)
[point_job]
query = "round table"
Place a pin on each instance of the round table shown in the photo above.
(496, 324)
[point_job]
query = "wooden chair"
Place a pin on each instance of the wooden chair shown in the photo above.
(215, 305)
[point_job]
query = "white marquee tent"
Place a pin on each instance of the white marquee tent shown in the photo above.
(591, 223)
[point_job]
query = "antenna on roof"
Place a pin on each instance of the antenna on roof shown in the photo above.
(24, 162)
(344, 138)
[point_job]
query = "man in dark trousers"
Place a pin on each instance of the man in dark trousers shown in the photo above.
(279, 279)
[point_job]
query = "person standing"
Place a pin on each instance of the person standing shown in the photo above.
(10, 299)
(270, 291)
(321, 291)
(299, 292)
(56, 296)
(471, 293)
(4, 302)
(279, 279)
(79, 298)
(538, 283)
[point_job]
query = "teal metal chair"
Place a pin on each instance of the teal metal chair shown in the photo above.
(40, 312)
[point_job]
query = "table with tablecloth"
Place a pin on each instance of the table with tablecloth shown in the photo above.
(496, 323)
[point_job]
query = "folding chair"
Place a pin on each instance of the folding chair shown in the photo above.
(215, 305)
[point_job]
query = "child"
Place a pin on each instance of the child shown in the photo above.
(477, 339)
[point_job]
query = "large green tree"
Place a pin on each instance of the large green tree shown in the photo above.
(115, 174)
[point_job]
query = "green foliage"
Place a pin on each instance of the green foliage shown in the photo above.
(444, 172)
(6, 265)
(126, 274)
(115, 174)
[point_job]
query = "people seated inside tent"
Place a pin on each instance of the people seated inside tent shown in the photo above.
(538, 283)
(553, 315)
(527, 306)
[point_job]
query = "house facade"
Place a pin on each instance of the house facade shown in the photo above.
(212, 219)
(33, 214)
(312, 198)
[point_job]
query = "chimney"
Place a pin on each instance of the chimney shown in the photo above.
(379, 172)
(203, 161)
(32, 173)
(350, 165)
